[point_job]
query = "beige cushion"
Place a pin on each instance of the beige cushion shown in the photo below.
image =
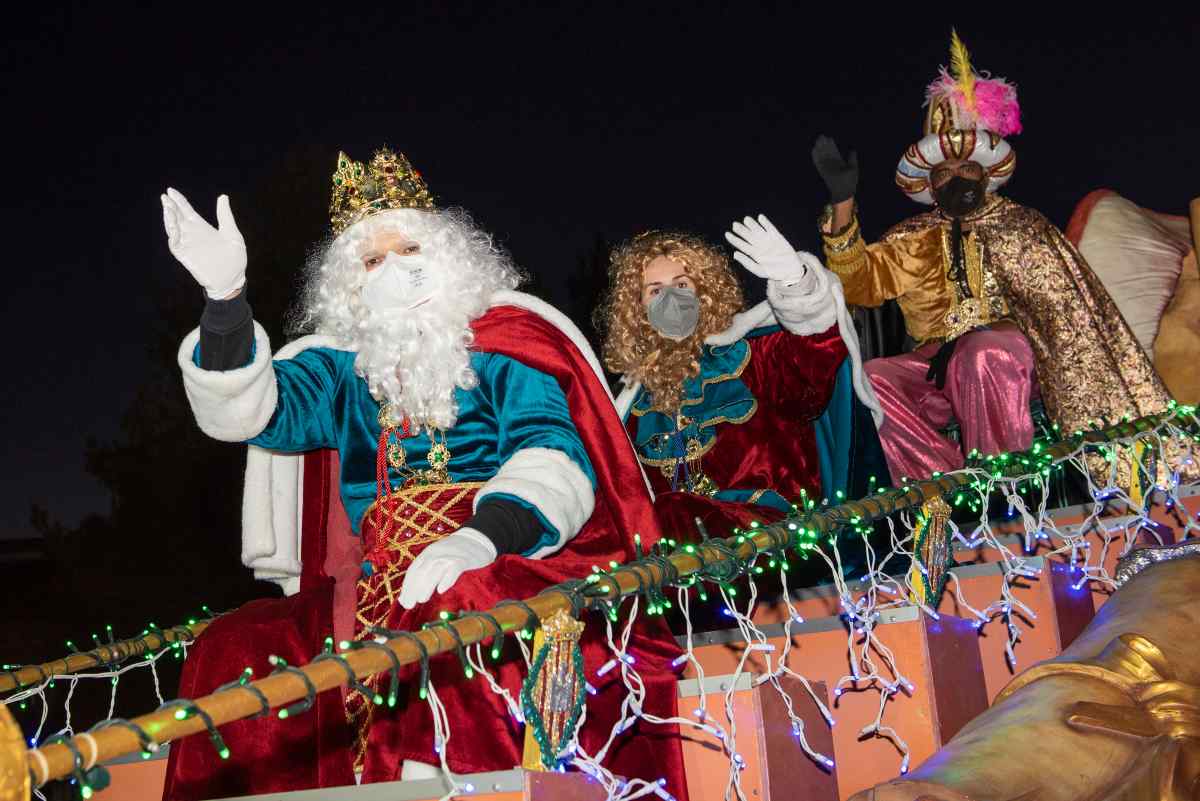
(1177, 347)
(1138, 255)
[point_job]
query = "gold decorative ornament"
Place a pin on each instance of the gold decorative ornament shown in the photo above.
(395, 456)
(964, 317)
(387, 182)
(552, 696)
(438, 457)
(1165, 709)
(14, 764)
(931, 537)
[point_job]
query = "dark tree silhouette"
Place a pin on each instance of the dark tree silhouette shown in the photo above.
(171, 539)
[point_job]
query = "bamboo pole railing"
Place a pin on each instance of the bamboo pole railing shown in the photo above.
(57, 760)
(100, 656)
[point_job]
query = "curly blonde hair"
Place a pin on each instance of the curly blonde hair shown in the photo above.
(631, 345)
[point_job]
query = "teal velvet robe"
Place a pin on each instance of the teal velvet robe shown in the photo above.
(324, 404)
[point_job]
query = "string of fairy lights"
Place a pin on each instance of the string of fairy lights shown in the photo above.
(1021, 479)
(107, 660)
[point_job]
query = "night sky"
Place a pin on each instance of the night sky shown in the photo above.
(554, 129)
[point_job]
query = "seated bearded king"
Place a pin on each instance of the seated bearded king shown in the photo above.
(479, 458)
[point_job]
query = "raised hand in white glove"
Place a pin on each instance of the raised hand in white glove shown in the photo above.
(437, 567)
(762, 250)
(216, 257)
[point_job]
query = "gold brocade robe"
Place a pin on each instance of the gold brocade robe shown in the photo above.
(1021, 268)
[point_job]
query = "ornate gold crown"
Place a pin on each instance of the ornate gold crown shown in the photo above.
(360, 190)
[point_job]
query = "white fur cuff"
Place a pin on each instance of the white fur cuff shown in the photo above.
(231, 405)
(806, 307)
(550, 482)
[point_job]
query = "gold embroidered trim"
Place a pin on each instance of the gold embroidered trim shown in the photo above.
(845, 250)
(707, 447)
(737, 372)
(987, 304)
(672, 461)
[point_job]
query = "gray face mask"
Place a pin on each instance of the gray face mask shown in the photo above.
(674, 312)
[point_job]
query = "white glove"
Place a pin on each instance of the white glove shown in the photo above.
(762, 250)
(439, 566)
(216, 257)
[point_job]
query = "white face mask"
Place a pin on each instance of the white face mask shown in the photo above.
(401, 283)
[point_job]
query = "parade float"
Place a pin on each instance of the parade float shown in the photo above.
(1041, 654)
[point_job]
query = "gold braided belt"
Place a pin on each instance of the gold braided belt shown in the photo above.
(1164, 709)
(394, 530)
(397, 528)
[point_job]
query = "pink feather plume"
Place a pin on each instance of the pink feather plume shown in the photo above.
(996, 107)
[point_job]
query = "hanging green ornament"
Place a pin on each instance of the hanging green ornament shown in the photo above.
(931, 548)
(552, 696)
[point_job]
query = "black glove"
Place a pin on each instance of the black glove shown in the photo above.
(839, 174)
(939, 363)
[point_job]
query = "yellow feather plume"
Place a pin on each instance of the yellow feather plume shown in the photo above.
(960, 65)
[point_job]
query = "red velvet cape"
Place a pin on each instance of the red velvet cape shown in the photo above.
(313, 749)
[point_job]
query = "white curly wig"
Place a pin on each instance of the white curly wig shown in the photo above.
(414, 359)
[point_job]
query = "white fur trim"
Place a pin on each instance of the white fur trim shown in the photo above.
(230, 405)
(743, 323)
(272, 511)
(273, 501)
(628, 395)
(806, 307)
(862, 384)
(549, 481)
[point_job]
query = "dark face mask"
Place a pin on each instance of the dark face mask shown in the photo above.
(960, 196)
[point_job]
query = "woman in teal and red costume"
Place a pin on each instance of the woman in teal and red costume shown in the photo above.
(441, 442)
(737, 413)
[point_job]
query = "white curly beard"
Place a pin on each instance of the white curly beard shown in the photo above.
(414, 359)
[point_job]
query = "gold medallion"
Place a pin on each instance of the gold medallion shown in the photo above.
(396, 457)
